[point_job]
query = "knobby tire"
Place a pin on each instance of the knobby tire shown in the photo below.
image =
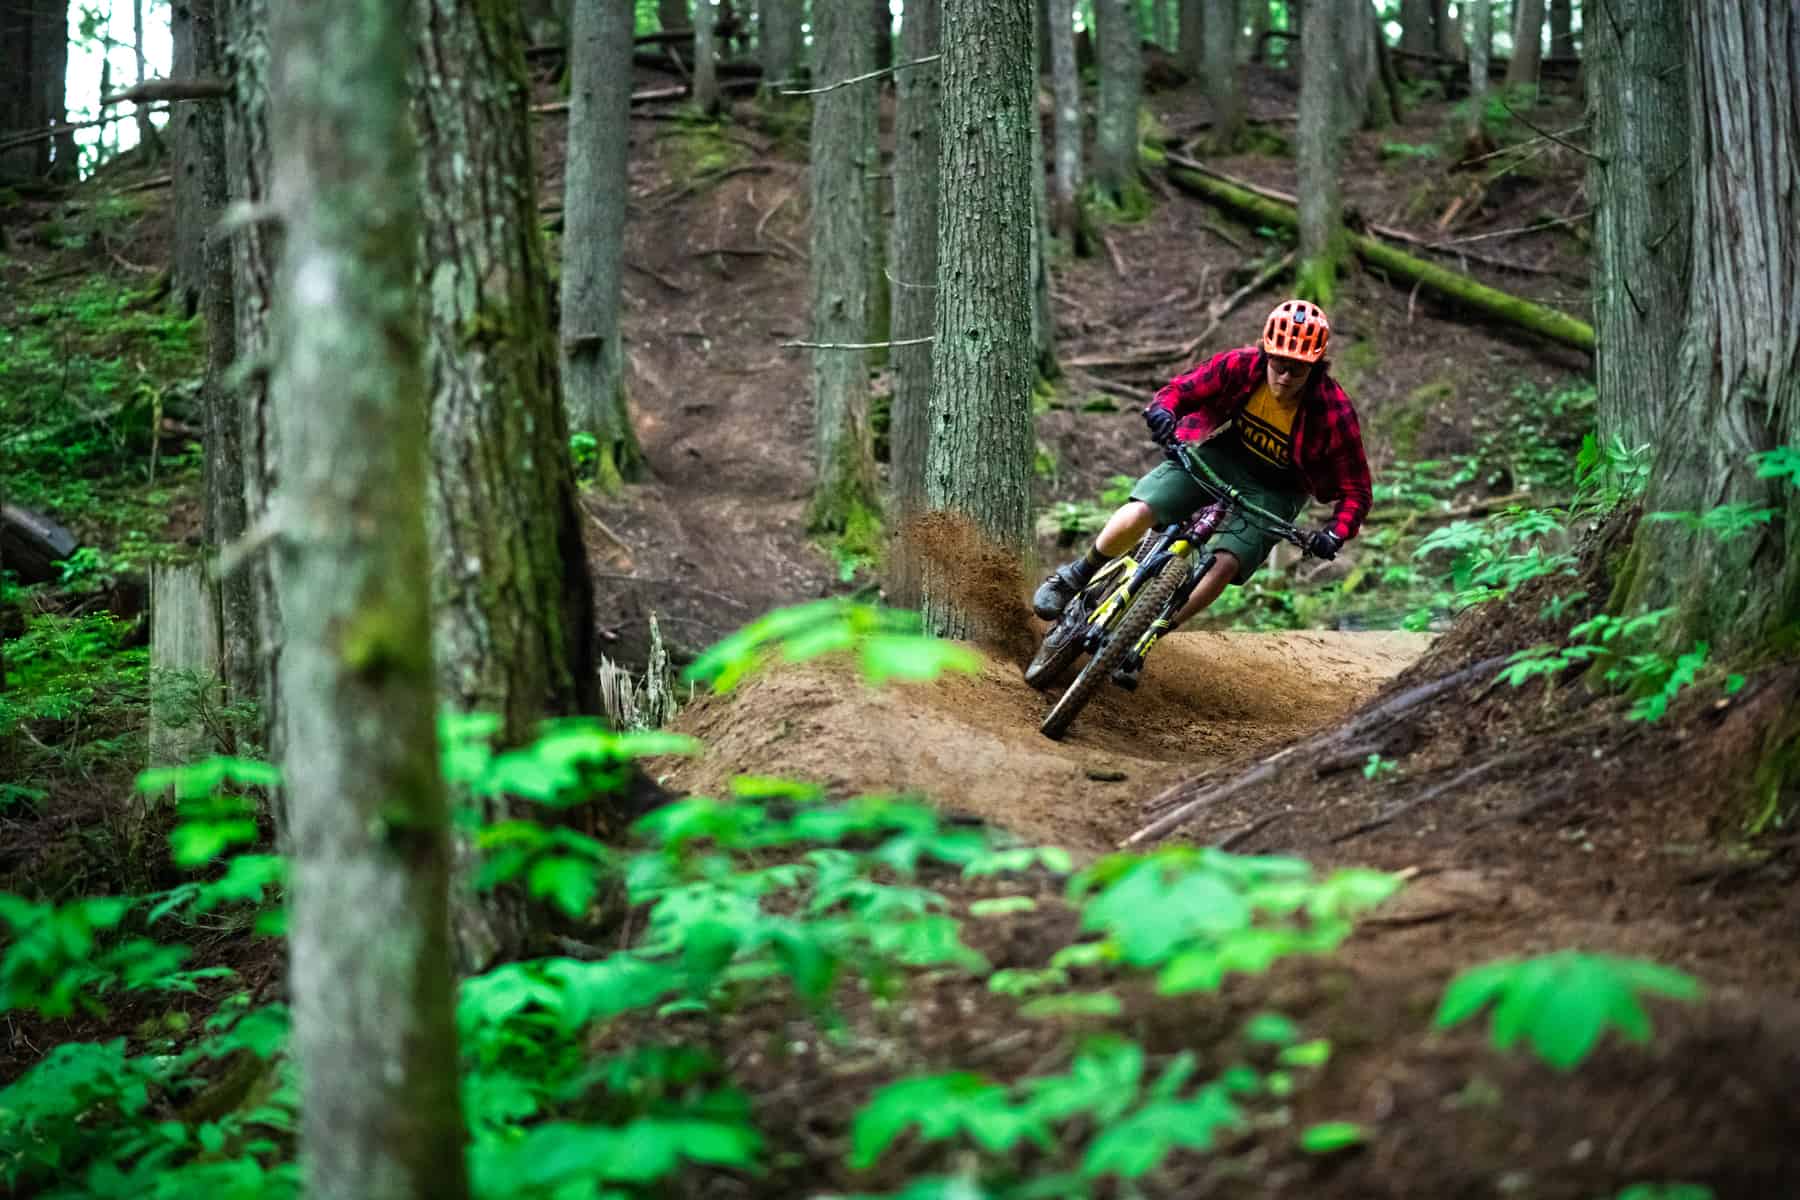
(1054, 658)
(1133, 625)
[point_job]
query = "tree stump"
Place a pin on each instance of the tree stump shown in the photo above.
(184, 664)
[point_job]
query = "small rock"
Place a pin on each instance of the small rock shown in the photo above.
(1106, 775)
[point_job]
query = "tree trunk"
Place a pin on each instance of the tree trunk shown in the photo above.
(1193, 37)
(914, 285)
(34, 54)
(1164, 14)
(670, 14)
(374, 1034)
(1562, 35)
(1739, 384)
(1528, 43)
(141, 111)
(512, 602)
(1449, 29)
(1481, 45)
(881, 19)
(706, 60)
(1066, 214)
(1637, 110)
(778, 30)
(203, 283)
(1415, 28)
(253, 636)
(1043, 318)
(1224, 82)
(842, 138)
(546, 22)
(593, 245)
(1259, 25)
(979, 459)
(1121, 92)
(1323, 123)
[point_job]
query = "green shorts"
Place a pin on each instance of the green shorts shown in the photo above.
(1172, 496)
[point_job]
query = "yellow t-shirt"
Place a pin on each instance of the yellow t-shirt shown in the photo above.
(1266, 428)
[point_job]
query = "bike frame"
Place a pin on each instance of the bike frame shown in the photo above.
(1178, 540)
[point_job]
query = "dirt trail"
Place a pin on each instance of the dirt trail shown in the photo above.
(971, 742)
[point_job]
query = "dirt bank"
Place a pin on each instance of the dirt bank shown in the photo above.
(971, 742)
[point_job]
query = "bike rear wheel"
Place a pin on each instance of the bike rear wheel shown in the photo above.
(1133, 624)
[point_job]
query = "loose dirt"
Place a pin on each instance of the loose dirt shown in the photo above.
(971, 742)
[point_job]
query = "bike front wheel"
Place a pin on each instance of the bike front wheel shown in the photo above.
(1133, 624)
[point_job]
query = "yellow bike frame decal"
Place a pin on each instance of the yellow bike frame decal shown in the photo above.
(1121, 596)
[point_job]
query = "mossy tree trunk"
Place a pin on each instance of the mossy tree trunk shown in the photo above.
(1323, 123)
(34, 53)
(1224, 78)
(881, 19)
(670, 14)
(779, 40)
(1065, 82)
(1043, 316)
(1637, 111)
(979, 459)
(253, 631)
(914, 285)
(1448, 28)
(374, 1034)
(842, 141)
(1121, 94)
(593, 244)
(512, 602)
(1738, 391)
(1528, 44)
(1258, 25)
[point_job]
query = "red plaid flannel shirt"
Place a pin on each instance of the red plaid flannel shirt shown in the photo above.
(1328, 449)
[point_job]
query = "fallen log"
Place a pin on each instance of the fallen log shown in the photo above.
(1513, 310)
(31, 544)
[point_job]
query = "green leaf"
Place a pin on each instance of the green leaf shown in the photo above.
(941, 1106)
(1332, 1136)
(570, 883)
(1271, 1028)
(1136, 1144)
(1074, 1004)
(1471, 990)
(898, 656)
(1315, 1053)
(1002, 906)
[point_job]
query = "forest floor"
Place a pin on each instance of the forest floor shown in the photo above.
(1582, 830)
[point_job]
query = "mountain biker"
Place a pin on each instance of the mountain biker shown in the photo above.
(1276, 426)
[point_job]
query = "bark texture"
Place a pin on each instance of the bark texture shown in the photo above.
(1224, 80)
(1043, 317)
(881, 22)
(1739, 390)
(1481, 46)
(979, 459)
(1065, 82)
(1637, 111)
(842, 141)
(1121, 93)
(512, 602)
(1528, 43)
(1448, 28)
(593, 350)
(671, 14)
(1259, 25)
(1323, 122)
(373, 1033)
(914, 285)
(1164, 14)
(253, 631)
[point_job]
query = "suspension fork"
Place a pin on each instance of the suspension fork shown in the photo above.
(1196, 535)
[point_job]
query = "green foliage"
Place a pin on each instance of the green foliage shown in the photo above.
(1562, 1003)
(1376, 767)
(1666, 1191)
(75, 695)
(1410, 151)
(886, 642)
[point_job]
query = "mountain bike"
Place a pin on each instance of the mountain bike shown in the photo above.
(1132, 601)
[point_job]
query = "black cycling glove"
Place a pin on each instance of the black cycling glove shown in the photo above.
(1162, 425)
(1322, 543)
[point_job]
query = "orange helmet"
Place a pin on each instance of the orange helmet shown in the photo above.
(1297, 329)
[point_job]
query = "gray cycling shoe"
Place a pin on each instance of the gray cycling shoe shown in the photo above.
(1063, 585)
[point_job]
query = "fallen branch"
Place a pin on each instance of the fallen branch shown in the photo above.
(918, 341)
(832, 87)
(13, 141)
(1552, 223)
(1514, 310)
(169, 89)
(659, 277)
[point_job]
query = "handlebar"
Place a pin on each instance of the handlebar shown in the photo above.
(1209, 481)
